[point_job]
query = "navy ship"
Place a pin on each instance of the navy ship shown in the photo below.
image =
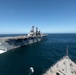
(8, 43)
(65, 66)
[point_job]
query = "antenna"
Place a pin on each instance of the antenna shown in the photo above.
(67, 51)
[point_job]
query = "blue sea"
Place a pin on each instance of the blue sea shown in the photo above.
(40, 55)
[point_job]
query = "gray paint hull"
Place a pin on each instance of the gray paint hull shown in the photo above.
(16, 43)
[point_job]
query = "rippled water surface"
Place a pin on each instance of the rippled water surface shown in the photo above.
(39, 55)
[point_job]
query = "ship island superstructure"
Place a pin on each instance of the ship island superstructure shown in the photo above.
(8, 43)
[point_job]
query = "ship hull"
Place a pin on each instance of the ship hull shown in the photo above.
(16, 43)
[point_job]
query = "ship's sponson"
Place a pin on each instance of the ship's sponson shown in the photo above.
(8, 43)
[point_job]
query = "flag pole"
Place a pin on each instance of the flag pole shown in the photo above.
(67, 51)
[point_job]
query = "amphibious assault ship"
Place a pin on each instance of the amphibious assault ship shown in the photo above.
(8, 43)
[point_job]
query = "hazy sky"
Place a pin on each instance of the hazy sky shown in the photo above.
(51, 16)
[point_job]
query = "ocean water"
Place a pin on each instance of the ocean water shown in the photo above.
(40, 55)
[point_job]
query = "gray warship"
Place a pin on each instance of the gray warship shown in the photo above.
(65, 66)
(9, 43)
